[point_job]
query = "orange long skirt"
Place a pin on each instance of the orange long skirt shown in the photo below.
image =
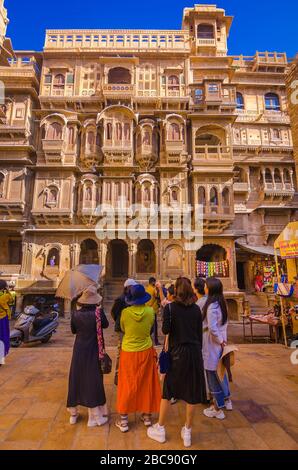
(138, 383)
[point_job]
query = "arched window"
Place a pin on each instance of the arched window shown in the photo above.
(287, 176)
(147, 137)
(277, 176)
(109, 131)
(119, 75)
(53, 258)
(51, 196)
(71, 136)
(239, 101)
(276, 134)
(202, 196)
(147, 196)
(118, 131)
(226, 200)
(173, 83)
(88, 193)
(205, 31)
(126, 132)
(175, 195)
(174, 131)
(89, 252)
(59, 84)
(213, 198)
(2, 182)
(90, 140)
(268, 176)
(54, 131)
(199, 95)
(272, 102)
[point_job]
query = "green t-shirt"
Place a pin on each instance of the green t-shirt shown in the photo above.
(136, 323)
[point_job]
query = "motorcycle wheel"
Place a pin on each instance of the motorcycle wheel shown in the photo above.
(46, 339)
(15, 342)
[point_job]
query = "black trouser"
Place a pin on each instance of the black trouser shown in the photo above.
(155, 330)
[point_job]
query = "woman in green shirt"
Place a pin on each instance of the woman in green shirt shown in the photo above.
(138, 381)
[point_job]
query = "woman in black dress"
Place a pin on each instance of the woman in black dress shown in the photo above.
(185, 379)
(86, 386)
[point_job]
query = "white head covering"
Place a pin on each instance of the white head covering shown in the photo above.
(130, 282)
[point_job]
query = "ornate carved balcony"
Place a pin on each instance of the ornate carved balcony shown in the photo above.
(54, 150)
(146, 156)
(118, 153)
(118, 91)
(282, 191)
(214, 156)
(53, 216)
(11, 210)
(240, 187)
(217, 219)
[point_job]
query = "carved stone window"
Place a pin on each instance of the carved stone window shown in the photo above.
(2, 185)
(55, 131)
(53, 258)
(51, 196)
(205, 31)
(174, 133)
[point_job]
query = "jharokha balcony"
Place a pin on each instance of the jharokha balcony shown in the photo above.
(54, 150)
(217, 155)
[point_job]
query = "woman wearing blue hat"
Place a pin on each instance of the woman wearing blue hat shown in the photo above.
(138, 381)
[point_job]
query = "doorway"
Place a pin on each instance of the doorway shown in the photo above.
(241, 275)
(118, 256)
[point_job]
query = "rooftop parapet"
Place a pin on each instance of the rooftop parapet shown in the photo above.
(117, 40)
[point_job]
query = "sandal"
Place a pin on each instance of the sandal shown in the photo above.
(122, 424)
(146, 419)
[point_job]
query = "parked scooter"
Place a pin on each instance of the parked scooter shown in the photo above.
(30, 328)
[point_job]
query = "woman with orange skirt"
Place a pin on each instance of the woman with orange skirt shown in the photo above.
(138, 382)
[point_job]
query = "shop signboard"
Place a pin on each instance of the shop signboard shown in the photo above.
(288, 249)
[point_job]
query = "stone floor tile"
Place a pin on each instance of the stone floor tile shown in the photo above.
(275, 437)
(247, 439)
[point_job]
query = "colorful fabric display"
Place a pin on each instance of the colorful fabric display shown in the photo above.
(212, 268)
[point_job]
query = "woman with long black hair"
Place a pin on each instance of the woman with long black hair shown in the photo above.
(185, 379)
(215, 324)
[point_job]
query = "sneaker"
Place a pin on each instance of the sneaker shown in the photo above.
(186, 436)
(213, 413)
(99, 421)
(122, 425)
(157, 433)
(173, 401)
(73, 419)
(229, 405)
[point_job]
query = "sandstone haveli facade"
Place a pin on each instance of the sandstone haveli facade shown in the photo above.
(156, 116)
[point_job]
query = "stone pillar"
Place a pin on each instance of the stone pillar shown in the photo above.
(67, 309)
(132, 259)
(102, 257)
(74, 254)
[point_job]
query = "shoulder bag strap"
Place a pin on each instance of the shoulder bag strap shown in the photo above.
(167, 338)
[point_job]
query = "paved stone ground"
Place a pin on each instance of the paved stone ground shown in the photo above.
(33, 388)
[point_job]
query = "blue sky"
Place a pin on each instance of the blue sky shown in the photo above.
(258, 24)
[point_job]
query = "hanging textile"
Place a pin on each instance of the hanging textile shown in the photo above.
(212, 268)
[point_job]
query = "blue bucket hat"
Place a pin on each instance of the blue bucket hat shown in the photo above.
(137, 295)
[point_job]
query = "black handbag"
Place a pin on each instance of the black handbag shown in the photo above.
(106, 364)
(164, 359)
